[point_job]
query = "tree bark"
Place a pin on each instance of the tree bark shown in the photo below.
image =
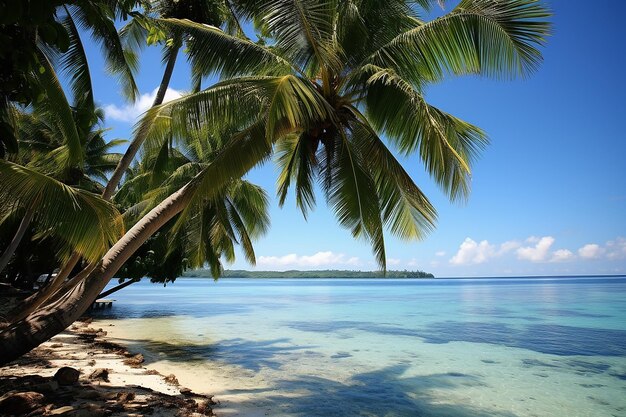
(134, 146)
(33, 302)
(21, 230)
(46, 322)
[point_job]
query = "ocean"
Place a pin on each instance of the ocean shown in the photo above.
(346, 347)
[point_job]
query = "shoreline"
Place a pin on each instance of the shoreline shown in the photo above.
(228, 394)
(104, 378)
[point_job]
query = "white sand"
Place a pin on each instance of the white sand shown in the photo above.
(68, 349)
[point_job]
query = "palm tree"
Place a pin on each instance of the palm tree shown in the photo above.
(141, 29)
(334, 79)
(204, 234)
(42, 146)
(71, 125)
(339, 77)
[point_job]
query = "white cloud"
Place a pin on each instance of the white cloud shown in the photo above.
(412, 262)
(509, 246)
(561, 255)
(538, 252)
(616, 249)
(393, 261)
(131, 112)
(471, 252)
(319, 259)
(590, 251)
(440, 253)
(535, 249)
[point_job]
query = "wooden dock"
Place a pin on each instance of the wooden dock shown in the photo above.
(102, 303)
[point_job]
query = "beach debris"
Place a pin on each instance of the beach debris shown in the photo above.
(89, 394)
(125, 396)
(171, 379)
(134, 361)
(101, 374)
(47, 387)
(61, 411)
(20, 402)
(67, 376)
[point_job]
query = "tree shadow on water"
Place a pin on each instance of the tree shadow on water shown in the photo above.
(383, 392)
(252, 355)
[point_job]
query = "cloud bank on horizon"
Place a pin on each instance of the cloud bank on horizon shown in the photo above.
(532, 250)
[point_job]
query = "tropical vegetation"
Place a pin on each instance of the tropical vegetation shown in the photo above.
(326, 273)
(330, 90)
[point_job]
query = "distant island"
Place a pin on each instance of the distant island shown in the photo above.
(328, 273)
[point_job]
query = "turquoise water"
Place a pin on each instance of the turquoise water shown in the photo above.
(443, 347)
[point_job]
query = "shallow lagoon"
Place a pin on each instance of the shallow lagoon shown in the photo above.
(442, 347)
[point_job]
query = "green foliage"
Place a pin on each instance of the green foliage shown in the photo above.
(202, 273)
(32, 32)
(209, 228)
(87, 223)
(338, 77)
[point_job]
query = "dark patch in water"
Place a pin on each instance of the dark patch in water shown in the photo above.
(619, 376)
(489, 361)
(598, 400)
(249, 354)
(585, 367)
(384, 392)
(457, 375)
(544, 338)
(537, 362)
(561, 312)
(341, 355)
(592, 385)
(335, 326)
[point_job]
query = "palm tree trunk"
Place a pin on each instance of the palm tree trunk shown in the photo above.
(134, 146)
(30, 304)
(118, 287)
(53, 318)
(21, 230)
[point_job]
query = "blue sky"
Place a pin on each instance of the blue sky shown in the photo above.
(548, 194)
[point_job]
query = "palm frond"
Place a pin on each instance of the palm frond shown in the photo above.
(446, 144)
(213, 51)
(296, 161)
(303, 30)
(406, 210)
(87, 223)
(493, 38)
(98, 19)
(353, 197)
(56, 106)
(75, 65)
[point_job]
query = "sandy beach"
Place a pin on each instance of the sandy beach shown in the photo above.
(81, 373)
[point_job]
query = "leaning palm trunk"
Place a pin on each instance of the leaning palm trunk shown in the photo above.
(30, 304)
(54, 317)
(135, 145)
(21, 230)
(33, 302)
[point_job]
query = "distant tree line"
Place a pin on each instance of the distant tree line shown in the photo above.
(327, 273)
